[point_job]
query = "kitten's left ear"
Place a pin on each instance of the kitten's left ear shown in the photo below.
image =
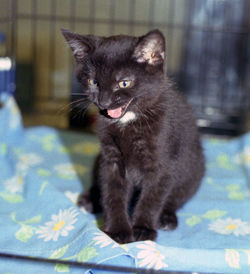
(150, 48)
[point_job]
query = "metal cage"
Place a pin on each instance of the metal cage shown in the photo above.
(208, 51)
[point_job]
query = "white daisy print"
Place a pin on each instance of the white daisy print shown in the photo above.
(69, 171)
(14, 184)
(243, 157)
(103, 240)
(15, 117)
(60, 225)
(28, 160)
(73, 196)
(232, 257)
(83, 210)
(230, 226)
(149, 256)
(65, 171)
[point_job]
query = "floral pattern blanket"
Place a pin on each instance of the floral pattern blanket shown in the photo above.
(42, 172)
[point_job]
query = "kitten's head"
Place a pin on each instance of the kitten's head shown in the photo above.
(120, 74)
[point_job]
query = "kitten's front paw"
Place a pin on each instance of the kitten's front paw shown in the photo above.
(168, 221)
(122, 236)
(142, 233)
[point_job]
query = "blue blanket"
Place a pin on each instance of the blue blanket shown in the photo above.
(42, 172)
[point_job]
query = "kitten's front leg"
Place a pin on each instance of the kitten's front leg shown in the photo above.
(148, 209)
(115, 196)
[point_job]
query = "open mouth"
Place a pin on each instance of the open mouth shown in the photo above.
(118, 112)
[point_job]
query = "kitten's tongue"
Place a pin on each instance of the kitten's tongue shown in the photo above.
(115, 113)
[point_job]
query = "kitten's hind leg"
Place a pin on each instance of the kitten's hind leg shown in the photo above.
(90, 200)
(84, 200)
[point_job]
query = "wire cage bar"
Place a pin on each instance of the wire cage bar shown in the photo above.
(207, 51)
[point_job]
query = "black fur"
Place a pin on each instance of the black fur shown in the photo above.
(157, 153)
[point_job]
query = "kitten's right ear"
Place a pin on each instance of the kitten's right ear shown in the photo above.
(81, 45)
(150, 48)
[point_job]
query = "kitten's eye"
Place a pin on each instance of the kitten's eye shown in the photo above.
(124, 84)
(93, 82)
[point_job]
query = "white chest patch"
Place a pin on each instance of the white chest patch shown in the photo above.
(129, 116)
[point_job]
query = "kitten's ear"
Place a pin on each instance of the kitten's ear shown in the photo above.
(150, 48)
(81, 45)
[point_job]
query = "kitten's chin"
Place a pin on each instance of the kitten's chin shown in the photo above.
(119, 112)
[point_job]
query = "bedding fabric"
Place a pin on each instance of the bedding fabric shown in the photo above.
(42, 172)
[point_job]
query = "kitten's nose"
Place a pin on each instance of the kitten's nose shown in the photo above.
(104, 105)
(104, 102)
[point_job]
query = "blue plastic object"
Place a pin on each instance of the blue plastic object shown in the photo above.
(2, 37)
(7, 76)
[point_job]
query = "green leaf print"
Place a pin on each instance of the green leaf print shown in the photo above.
(59, 252)
(11, 198)
(236, 195)
(63, 150)
(233, 187)
(44, 184)
(24, 233)
(67, 177)
(213, 214)
(43, 172)
(13, 217)
(192, 221)
(34, 220)
(62, 268)
(86, 254)
(48, 147)
(48, 142)
(234, 192)
(224, 161)
(3, 149)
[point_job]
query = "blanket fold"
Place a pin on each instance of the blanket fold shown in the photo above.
(43, 171)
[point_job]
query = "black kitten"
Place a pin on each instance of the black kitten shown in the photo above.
(149, 141)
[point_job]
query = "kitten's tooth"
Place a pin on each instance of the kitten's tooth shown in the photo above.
(129, 116)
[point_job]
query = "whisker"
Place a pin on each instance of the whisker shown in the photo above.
(81, 112)
(63, 108)
(78, 100)
(81, 94)
(81, 106)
